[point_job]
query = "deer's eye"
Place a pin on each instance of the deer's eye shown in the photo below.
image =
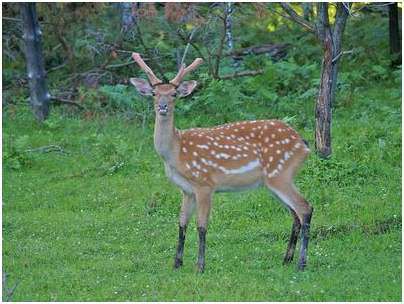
(174, 94)
(153, 93)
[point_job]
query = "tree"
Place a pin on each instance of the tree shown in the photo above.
(395, 43)
(330, 37)
(39, 95)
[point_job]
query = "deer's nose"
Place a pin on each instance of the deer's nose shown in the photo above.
(163, 108)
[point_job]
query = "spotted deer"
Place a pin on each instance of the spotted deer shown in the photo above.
(230, 157)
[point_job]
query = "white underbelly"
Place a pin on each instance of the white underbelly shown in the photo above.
(237, 188)
(178, 179)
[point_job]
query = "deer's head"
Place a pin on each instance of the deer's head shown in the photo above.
(164, 93)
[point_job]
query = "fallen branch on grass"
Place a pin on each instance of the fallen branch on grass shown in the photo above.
(8, 292)
(47, 149)
(67, 101)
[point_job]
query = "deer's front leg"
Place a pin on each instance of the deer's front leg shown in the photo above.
(203, 201)
(187, 207)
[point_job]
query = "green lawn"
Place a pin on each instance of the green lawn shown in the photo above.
(99, 223)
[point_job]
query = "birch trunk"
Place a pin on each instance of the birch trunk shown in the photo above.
(39, 95)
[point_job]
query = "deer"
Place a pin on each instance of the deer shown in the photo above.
(230, 157)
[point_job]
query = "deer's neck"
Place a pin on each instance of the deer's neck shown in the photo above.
(166, 140)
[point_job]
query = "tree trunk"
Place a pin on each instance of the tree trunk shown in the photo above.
(339, 27)
(323, 103)
(228, 25)
(127, 18)
(395, 43)
(39, 95)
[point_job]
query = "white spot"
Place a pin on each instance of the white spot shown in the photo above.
(271, 159)
(297, 145)
(286, 155)
(266, 139)
(280, 167)
(223, 155)
(272, 123)
(278, 151)
(273, 135)
(184, 150)
(188, 166)
(194, 153)
(287, 140)
(252, 134)
(277, 142)
(203, 147)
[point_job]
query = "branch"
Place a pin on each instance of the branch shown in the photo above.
(292, 15)
(241, 74)
(187, 47)
(50, 70)
(118, 65)
(343, 10)
(47, 149)
(219, 52)
(147, 50)
(336, 58)
(67, 101)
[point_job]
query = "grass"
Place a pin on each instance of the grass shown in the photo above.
(99, 223)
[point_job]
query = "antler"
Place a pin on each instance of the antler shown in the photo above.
(185, 70)
(152, 78)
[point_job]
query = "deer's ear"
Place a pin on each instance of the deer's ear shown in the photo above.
(142, 86)
(186, 88)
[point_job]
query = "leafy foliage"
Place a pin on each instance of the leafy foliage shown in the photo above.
(98, 223)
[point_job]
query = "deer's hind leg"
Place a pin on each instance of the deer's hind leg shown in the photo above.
(290, 251)
(283, 188)
(301, 211)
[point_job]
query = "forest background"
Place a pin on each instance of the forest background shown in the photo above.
(88, 214)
